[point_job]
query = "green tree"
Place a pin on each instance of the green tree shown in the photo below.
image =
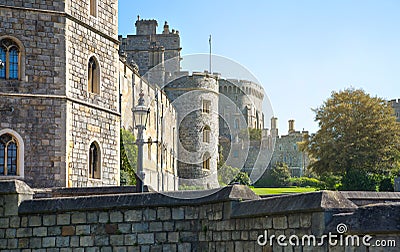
(242, 178)
(358, 135)
(277, 176)
(251, 133)
(128, 157)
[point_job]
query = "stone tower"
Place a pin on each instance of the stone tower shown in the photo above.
(149, 49)
(195, 98)
(59, 92)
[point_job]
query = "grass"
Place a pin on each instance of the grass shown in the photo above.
(264, 191)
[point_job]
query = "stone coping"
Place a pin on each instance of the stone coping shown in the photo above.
(292, 203)
(86, 191)
(362, 198)
(371, 195)
(14, 186)
(136, 200)
(370, 219)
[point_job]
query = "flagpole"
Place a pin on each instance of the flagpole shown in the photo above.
(209, 41)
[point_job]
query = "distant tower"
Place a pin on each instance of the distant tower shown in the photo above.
(149, 49)
(198, 124)
(396, 106)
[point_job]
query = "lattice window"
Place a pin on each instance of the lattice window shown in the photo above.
(11, 58)
(206, 106)
(206, 134)
(8, 155)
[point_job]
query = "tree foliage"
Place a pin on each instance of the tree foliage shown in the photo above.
(357, 133)
(251, 133)
(128, 157)
(277, 176)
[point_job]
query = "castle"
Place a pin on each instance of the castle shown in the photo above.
(69, 83)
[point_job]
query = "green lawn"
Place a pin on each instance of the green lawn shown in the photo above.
(263, 191)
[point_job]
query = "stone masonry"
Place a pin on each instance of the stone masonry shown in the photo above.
(188, 94)
(50, 106)
(231, 219)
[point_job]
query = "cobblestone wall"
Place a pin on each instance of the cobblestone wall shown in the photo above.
(231, 219)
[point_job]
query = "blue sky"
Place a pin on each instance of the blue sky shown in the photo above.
(300, 51)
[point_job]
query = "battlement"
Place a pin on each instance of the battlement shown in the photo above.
(146, 27)
(149, 27)
(395, 102)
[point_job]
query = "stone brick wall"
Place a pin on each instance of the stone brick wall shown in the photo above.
(56, 5)
(92, 117)
(230, 219)
(37, 98)
(50, 106)
(107, 15)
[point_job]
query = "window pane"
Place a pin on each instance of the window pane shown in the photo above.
(12, 159)
(2, 155)
(3, 59)
(13, 63)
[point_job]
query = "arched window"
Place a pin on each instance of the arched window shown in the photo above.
(11, 58)
(206, 134)
(93, 76)
(9, 156)
(94, 161)
(206, 161)
(93, 8)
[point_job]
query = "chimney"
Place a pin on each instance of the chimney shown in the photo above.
(274, 128)
(166, 28)
(291, 126)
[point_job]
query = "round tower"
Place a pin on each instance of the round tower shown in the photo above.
(196, 100)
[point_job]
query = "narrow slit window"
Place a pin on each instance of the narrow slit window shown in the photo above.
(93, 76)
(93, 8)
(94, 161)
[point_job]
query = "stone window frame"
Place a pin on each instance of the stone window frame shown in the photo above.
(97, 174)
(206, 134)
(14, 42)
(93, 8)
(20, 154)
(205, 106)
(206, 161)
(93, 85)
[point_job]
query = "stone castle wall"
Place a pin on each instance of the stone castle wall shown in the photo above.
(92, 117)
(160, 157)
(52, 110)
(231, 219)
